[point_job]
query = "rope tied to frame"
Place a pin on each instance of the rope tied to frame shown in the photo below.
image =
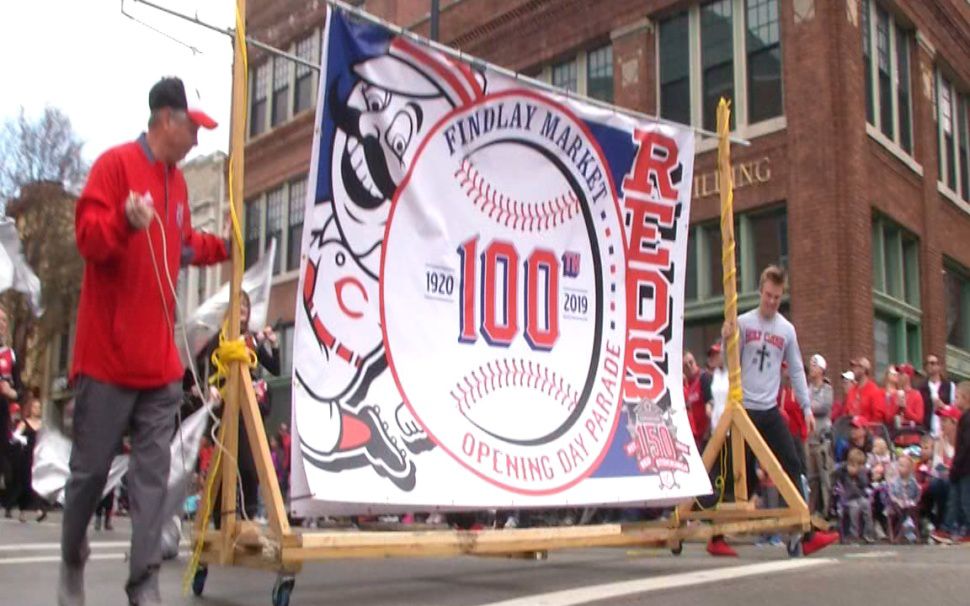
(229, 351)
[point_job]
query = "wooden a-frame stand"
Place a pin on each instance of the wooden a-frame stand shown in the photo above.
(278, 548)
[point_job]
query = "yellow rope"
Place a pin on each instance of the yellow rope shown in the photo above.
(228, 351)
(735, 394)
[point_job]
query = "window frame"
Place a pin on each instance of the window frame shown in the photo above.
(959, 102)
(901, 309)
(581, 60)
(284, 272)
(740, 114)
(896, 31)
(708, 304)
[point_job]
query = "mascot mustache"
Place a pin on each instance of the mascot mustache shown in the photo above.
(348, 119)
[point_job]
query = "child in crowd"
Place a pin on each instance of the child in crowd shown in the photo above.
(859, 437)
(904, 495)
(881, 457)
(851, 488)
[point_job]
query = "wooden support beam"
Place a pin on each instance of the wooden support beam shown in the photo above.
(230, 470)
(259, 445)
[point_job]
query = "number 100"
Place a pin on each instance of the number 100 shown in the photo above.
(499, 273)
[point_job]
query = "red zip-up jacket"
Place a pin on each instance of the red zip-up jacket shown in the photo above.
(123, 336)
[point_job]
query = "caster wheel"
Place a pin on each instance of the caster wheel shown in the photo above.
(282, 590)
(677, 549)
(794, 547)
(198, 581)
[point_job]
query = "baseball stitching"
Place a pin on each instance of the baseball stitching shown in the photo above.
(511, 372)
(511, 212)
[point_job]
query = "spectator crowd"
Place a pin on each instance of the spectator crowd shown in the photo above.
(889, 461)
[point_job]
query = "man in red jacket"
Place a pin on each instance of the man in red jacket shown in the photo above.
(134, 231)
(865, 397)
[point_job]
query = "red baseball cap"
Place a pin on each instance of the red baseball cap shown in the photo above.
(908, 370)
(170, 92)
(714, 349)
(949, 412)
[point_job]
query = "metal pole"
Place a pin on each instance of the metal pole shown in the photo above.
(457, 54)
(435, 13)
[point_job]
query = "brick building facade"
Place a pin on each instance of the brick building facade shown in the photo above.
(857, 178)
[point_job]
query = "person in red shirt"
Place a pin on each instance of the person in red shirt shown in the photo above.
(134, 230)
(865, 398)
(908, 413)
(698, 398)
(792, 412)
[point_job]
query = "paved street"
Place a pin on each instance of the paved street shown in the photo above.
(882, 574)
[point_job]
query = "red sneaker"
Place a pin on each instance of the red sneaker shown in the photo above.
(819, 541)
(942, 537)
(720, 549)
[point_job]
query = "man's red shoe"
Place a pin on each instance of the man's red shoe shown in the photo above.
(819, 541)
(719, 548)
(942, 537)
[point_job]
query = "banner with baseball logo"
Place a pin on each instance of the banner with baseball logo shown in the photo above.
(491, 296)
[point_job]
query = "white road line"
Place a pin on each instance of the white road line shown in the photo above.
(48, 546)
(596, 593)
(55, 559)
(871, 555)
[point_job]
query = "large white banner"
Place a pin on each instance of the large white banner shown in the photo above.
(491, 309)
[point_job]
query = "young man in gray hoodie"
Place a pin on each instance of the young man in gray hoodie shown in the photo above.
(767, 339)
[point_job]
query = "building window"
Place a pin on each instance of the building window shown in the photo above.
(763, 43)
(956, 283)
(953, 137)
(599, 74)
(281, 89)
(304, 90)
(962, 109)
(675, 69)
(588, 73)
(257, 113)
(717, 58)
(275, 201)
(294, 234)
(902, 90)
(760, 240)
(253, 230)
(564, 76)
(727, 48)
(867, 60)
(947, 154)
(886, 47)
(896, 296)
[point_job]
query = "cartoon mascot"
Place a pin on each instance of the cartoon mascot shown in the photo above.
(354, 416)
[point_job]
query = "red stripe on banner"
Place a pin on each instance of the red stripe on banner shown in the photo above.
(469, 75)
(422, 57)
(322, 333)
(309, 281)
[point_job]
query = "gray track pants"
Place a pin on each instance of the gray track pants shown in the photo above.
(102, 414)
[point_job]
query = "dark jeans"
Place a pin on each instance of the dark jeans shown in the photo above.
(934, 500)
(248, 477)
(958, 506)
(775, 432)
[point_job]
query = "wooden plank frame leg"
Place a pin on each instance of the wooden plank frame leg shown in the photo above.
(230, 457)
(259, 445)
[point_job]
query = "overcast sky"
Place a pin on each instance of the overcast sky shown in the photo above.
(96, 65)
